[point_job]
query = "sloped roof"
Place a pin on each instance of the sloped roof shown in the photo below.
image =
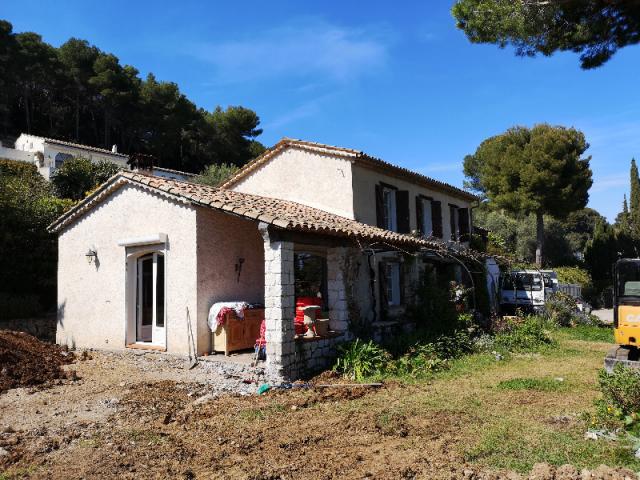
(80, 146)
(360, 158)
(280, 213)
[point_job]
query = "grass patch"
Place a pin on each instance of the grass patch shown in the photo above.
(537, 384)
(501, 446)
(589, 333)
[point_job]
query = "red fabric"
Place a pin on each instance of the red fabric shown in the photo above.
(222, 314)
(301, 303)
(261, 341)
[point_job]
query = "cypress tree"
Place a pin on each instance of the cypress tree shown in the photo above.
(625, 206)
(635, 197)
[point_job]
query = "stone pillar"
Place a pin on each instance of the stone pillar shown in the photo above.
(338, 310)
(279, 306)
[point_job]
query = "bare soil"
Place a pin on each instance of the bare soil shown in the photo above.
(25, 361)
(147, 416)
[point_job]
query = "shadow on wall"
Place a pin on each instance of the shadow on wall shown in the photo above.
(60, 313)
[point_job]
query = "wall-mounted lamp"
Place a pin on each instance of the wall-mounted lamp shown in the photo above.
(239, 268)
(91, 255)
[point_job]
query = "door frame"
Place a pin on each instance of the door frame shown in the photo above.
(132, 257)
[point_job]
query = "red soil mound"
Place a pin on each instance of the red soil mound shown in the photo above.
(26, 361)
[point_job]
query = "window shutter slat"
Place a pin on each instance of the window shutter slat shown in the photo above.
(436, 216)
(402, 211)
(379, 207)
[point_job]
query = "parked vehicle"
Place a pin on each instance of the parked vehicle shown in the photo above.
(523, 290)
(626, 314)
(551, 284)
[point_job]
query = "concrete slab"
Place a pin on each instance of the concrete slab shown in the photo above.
(606, 315)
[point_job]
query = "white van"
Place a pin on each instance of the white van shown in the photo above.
(522, 290)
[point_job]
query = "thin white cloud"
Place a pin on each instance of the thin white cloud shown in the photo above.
(613, 181)
(306, 48)
(302, 111)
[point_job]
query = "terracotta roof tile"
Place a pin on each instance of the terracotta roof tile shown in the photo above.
(281, 213)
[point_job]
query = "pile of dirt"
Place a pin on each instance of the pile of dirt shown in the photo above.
(25, 361)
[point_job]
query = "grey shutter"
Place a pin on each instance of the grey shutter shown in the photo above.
(436, 218)
(402, 211)
(452, 221)
(463, 222)
(379, 207)
(419, 215)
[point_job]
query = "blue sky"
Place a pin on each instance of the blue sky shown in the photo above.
(402, 84)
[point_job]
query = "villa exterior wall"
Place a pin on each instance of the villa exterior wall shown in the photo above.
(317, 180)
(92, 298)
(223, 240)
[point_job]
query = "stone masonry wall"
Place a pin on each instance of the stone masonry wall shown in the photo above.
(337, 299)
(314, 356)
(279, 307)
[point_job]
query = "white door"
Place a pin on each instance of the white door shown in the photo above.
(150, 296)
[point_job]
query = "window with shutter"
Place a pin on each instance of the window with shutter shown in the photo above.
(387, 207)
(392, 284)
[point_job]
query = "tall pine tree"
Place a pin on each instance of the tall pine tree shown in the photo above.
(635, 197)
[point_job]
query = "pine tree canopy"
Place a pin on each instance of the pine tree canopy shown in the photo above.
(594, 28)
(532, 170)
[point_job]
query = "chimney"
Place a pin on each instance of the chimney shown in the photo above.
(114, 149)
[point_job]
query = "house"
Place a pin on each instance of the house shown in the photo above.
(303, 219)
(48, 153)
(358, 186)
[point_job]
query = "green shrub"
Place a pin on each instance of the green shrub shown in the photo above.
(433, 310)
(16, 168)
(620, 401)
(562, 309)
(523, 335)
(359, 359)
(574, 275)
(78, 176)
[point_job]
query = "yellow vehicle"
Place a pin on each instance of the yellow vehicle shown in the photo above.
(626, 314)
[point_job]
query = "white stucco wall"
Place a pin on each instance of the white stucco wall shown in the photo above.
(19, 155)
(91, 298)
(364, 197)
(29, 143)
(313, 179)
(222, 240)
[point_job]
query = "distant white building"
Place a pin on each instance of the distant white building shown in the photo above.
(47, 154)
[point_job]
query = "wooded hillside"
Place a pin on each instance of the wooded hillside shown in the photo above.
(79, 93)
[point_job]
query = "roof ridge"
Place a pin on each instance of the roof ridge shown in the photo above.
(358, 154)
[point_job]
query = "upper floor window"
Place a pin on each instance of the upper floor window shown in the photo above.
(460, 223)
(390, 214)
(428, 216)
(392, 208)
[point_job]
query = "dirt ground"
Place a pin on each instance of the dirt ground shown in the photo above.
(149, 416)
(26, 361)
